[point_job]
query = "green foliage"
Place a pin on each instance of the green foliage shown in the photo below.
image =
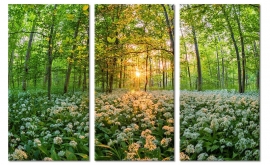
(221, 125)
(217, 51)
(61, 43)
(46, 129)
(132, 39)
(134, 126)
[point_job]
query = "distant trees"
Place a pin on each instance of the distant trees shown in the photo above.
(225, 37)
(44, 34)
(133, 46)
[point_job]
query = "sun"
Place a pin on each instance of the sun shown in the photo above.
(138, 73)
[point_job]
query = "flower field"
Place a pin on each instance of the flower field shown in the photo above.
(219, 126)
(48, 130)
(134, 125)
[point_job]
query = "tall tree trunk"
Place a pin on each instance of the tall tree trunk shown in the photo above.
(111, 77)
(171, 34)
(74, 78)
(222, 83)
(80, 77)
(27, 57)
(209, 67)
(102, 80)
(240, 89)
(199, 87)
(10, 68)
(45, 80)
(71, 57)
(121, 73)
(223, 73)
(150, 73)
(124, 76)
(84, 79)
(243, 49)
(186, 59)
(170, 31)
(86, 65)
(146, 66)
(163, 74)
(50, 58)
(107, 77)
(256, 54)
(218, 70)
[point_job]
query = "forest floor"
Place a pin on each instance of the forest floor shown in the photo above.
(219, 125)
(48, 130)
(134, 125)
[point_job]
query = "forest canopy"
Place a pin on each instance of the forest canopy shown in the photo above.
(134, 46)
(220, 47)
(48, 47)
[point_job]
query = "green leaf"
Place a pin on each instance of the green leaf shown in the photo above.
(123, 144)
(105, 130)
(111, 40)
(54, 155)
(107, 137)
(234, 154)
(44, 150)
(214, 147)
(208, 148)
(85, 7)
(207, 144)
(70, 155)
(84, 156)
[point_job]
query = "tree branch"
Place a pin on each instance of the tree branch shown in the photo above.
(27, 32)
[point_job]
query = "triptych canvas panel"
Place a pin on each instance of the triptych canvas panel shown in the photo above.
(134, 82)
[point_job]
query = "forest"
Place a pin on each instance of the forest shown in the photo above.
(134, 82)
(48, 77)
(219, 82)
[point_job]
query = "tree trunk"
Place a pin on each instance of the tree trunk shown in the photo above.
(150, 73)
(80, 77)
(185, 48)
(240, 89)
(171, 34)
(163, 74)
(170, 31)
(50, 58)
(102, 80)
(10, 68)
(121, 73)
(71, 57)
(27, 57)
(112, 76)
(243, 49)
(146, 66)
(74, 78)
(107, 77)
(257, 65)
(199, 87)
(223, 73)
(84, 80)
(124, 76)
(218, 70)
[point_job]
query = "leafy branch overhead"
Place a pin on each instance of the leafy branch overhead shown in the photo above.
(138, 33)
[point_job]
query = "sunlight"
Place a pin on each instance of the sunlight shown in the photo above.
(138, 73)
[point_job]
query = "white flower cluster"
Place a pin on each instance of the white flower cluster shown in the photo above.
(219, 122)
(42, 123)
(136, 119)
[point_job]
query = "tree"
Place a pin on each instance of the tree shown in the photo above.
(130, 40)
(217, 29)
(40, 42)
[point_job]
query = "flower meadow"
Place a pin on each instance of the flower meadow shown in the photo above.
(48, 130)
(219, 126)
(134, 125)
